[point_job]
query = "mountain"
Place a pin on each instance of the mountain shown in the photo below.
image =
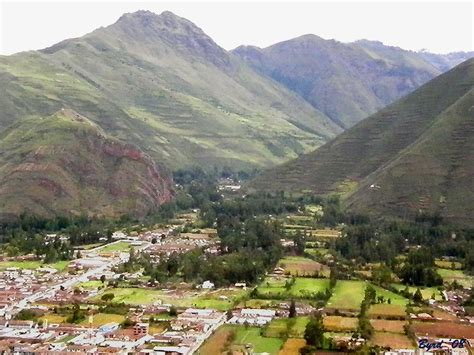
(159, 82)
(444, 62)
(415, 155)
(64, 164)
(346, 81)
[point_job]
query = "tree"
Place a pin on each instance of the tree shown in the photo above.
(299, 243)
(173, 312)
(382, 275)
(333, 277)
(417, 296)
(292, 311)
(107, 297)
(314, 331)
(127, 323)
(77, 315)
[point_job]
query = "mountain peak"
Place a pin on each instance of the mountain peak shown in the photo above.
(171, 30)
(166, 21)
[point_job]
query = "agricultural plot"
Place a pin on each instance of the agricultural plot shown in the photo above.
(305, 287)
(340, 324)
(446, 264)
(347, 295)
(116, 247)
(53, 318)
(302, 288)
(300, 266)
(133, 296)
(292, 346)
(272, 287)
(387, 310)
(392, 326)
(251, 337)
(286, 327)
(391, 340)
(325, 234)
(33, 264)
(444, 329)
(426, 292)
(316, 251)
(216, 343)
(90, 285)
(104, 318)
(395, 299)
(259, 303)
(396, 308)
(459, 276)
(221, 299)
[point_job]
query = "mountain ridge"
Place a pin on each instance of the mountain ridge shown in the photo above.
(397, 161)
(173, 102)
(68, 166)
(346, 81)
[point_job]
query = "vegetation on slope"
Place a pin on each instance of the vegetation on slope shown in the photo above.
(413, 156)
(160, 82)
(65, 165)
(346, 81)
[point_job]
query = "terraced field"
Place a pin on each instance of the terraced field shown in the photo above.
(421, 151)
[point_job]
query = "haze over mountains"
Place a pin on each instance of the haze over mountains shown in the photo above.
(347, 81)
(416, 155)
(158, 86)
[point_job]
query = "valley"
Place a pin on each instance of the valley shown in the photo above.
(187, 282)
(161, 194)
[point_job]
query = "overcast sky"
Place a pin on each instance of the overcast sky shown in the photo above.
(439, 27)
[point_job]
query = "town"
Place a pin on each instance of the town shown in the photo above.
(111, 297)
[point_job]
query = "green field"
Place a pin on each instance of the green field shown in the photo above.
(104, 318)
(308, 286)
(302, 288)
(272, 286)
(426, 292)
(459, 276)
(120, 246)
(134, 296)
(396, 299)
(347, 295)
(34, 264)
(207, 299)
(261, 344)
(259, 303)
(93, 284)
(316, 251)
(292, 327)
(446, 264)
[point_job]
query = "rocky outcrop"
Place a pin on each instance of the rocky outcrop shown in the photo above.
(62, 165)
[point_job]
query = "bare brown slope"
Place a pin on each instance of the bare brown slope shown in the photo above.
(65, 165)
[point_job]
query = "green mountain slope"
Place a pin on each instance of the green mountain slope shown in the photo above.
(160, 82)
(346, 81)
(65, 165)
(415, 155)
